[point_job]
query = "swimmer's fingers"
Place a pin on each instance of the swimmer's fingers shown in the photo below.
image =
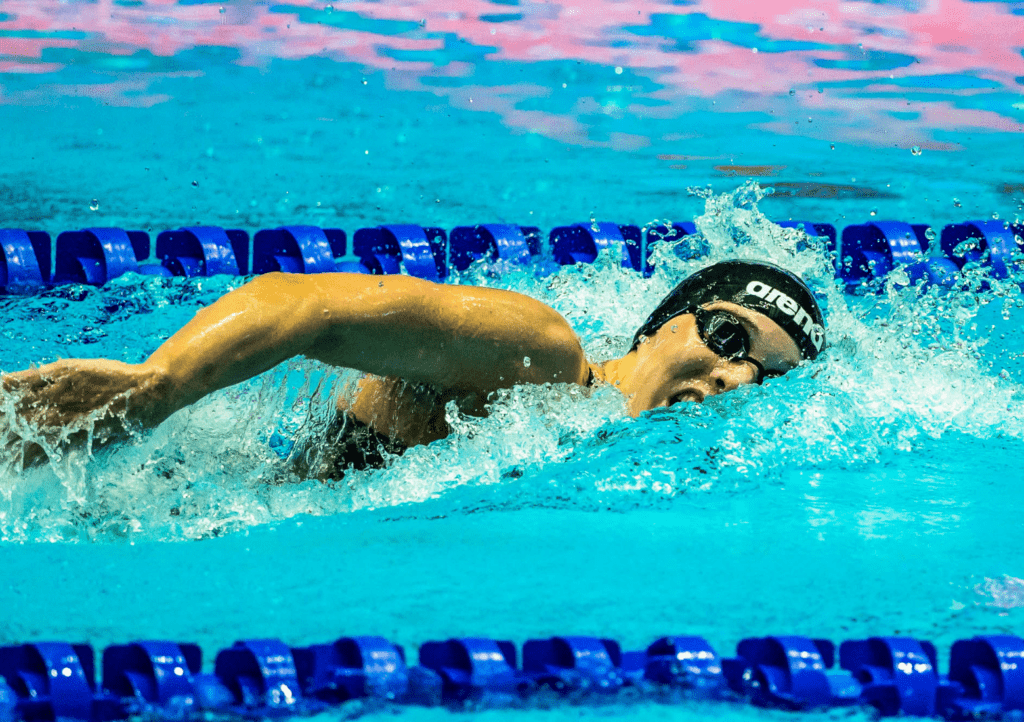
(68, 392)
(16, 453)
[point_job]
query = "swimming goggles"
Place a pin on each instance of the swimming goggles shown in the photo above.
(726, 337)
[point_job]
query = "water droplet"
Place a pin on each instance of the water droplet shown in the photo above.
(618, 70)
(329, 9)
(378, 189)
(874, 212)
(364, 81)
(380, 284)
(94, 205)
(956, 203)
(674, 328)
(195, 184)
(832, 146)
(820, 91)
(1004, 375)
(423, 23)
(526, 361)
(792, 92)
(643, 338)
(916, 150)
(930, 234)
(222, 11)
(995, 216)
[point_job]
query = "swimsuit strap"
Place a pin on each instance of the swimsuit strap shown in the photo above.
(363, 447)
(349, 444)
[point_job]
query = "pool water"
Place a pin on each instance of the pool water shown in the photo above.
(876, 491)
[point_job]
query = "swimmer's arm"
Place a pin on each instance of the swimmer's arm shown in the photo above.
(455, 338)
(458, 338)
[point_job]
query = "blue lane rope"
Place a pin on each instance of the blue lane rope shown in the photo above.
(267, 678)
(865, 253)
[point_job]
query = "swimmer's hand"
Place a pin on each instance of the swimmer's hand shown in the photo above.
(63, 404)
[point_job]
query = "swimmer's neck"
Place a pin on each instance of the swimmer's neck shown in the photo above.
(615, 371)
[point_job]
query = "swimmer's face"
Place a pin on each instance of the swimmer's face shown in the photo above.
(675, 364)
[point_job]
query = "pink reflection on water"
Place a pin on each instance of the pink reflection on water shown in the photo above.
(720, 62)
(1004, 593)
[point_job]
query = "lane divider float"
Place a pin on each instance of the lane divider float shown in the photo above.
(864, 253)
(267, 678)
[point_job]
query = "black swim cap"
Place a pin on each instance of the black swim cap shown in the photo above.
(757, 285)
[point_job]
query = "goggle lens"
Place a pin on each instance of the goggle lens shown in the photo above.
(723, 333)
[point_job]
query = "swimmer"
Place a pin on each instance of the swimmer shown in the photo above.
(423, 345)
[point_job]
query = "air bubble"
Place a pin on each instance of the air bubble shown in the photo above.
(526, 361)
(873, 212)
(792, 92)
(916, 150)
(956, 203)
(329, 9)
(195, 184)
(643, 338)
(222, 11)
(94, 205)
(995, 216)
(930, 234)
(618, 70)
(364, 81)
(674, 328)
(832, 146)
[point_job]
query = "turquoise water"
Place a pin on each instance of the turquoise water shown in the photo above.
(874, 492)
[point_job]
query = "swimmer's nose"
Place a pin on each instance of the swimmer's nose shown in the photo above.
(729, 375)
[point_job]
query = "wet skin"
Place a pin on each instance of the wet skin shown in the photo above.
(676, 365)
(421, 345)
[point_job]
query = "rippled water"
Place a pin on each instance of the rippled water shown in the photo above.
(876, 490)
(912, 372)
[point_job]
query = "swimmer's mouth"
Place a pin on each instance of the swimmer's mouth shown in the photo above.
(691, 395)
